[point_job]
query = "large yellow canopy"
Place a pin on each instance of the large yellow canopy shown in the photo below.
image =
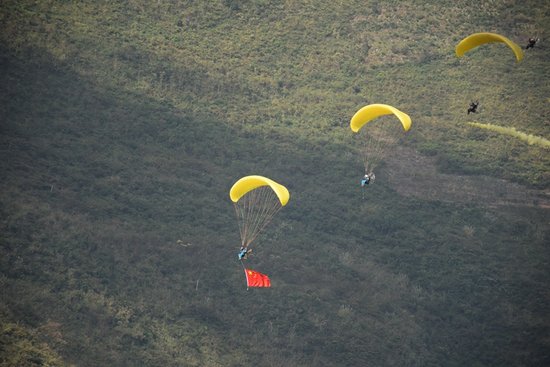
(373, 111)
(249, 183)
(478, 39)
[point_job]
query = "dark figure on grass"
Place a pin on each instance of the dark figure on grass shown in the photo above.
(473, 107)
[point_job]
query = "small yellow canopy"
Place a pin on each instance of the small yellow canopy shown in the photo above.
(478, 39)
(373, 111)
(249, 183)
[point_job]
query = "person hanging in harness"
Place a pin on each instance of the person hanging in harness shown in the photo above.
(243, 253)
(473, 107)
(367, 179)
(531, 43)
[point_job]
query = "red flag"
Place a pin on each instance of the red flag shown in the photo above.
(255, 279)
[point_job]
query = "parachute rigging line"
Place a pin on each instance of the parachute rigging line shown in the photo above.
(376, 142)
(254, 211)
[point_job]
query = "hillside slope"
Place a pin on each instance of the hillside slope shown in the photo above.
(412, 174)
(123, 126)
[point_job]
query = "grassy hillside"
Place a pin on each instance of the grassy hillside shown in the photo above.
(124, 125)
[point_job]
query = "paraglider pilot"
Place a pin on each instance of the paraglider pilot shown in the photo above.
(243, 253)
(531, 43)
(473, 107)
(367, 179)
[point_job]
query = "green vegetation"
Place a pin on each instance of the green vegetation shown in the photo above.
(20, 347)
(121, 132)
(530, 139)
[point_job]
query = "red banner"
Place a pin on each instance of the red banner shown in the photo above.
(255, 279)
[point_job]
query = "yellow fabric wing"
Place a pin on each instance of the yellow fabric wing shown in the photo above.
(478, 39)
(370, 112)
(249, 183)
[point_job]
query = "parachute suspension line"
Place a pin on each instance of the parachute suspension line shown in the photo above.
(263, 205)
(254, 211)
(372, 150)
(253, 215)
(269, 205)
(243, 209)
(240, 218)
(377, 140)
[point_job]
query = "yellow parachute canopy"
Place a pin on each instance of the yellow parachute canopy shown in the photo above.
(373, 111)
(478, 39)
(249, 183)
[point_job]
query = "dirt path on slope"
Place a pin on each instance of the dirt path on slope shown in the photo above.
(412, 174)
